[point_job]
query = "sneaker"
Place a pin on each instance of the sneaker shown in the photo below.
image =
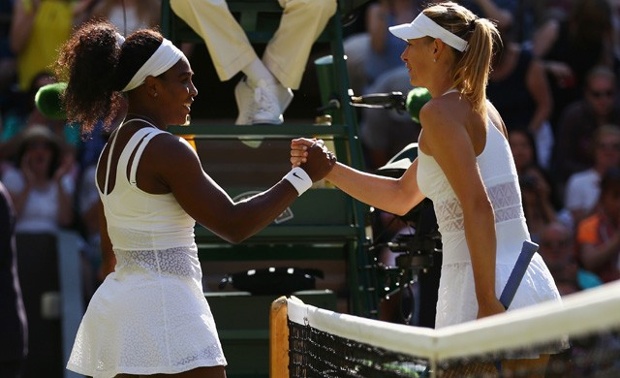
(244, 94)
(270, 100)
(284, 95)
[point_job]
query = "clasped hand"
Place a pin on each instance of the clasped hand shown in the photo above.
(313, 157)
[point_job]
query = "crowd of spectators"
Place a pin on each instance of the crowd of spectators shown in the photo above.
(46, 165)
(555, 82)
(44, 162)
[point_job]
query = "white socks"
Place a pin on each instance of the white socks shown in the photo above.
(257, 71)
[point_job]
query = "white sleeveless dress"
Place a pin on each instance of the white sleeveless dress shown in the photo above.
(150, 315)
(457, 301)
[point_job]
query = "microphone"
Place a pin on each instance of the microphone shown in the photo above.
(48, 100)
(391, 100)
(416, 98)
(411, 103)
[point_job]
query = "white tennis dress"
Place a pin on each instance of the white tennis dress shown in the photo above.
(150, 315)
(457, 301)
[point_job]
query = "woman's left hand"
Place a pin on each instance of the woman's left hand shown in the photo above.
(490, 307)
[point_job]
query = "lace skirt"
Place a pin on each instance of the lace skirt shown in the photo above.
(457, 299)
(149, 316)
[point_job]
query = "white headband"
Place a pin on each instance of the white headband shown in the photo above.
(166, 56)
(423, 26)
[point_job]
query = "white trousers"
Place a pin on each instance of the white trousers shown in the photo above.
(286, 54)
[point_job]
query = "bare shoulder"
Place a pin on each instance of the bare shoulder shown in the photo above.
(169, 150)
(442, 113)
(444, 122)
(545, 36)
(496, 118)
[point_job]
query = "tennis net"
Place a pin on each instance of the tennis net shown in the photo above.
(583, 334)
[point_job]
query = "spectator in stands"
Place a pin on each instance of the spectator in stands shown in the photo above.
(558, 8)
(266, 90)
(8, 70)
(500, 11)
(519, 90)
(539, 203)
(571, 47)
(583, 188)
(376, 52)
(557, 248)
(374, 65)
(13, 322)
(38, 29)
(573, 150)
(529, 16)
(40, 183)
(153, 190)
(598, 236)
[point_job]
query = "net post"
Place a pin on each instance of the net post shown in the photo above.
(278, 336)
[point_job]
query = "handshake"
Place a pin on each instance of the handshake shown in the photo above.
(311, 161)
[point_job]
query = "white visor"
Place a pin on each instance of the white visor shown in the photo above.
(166, 56)
(423, 26)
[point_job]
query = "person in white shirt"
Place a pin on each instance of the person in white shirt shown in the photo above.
(583, 188)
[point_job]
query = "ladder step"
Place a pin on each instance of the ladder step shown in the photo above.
(227, 131)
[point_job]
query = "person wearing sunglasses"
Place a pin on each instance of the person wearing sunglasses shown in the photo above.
(574, 144)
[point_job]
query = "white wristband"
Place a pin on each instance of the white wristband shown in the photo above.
(299, 179)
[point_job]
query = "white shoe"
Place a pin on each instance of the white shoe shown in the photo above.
(270, 100)
(244, 94)
(284, 95)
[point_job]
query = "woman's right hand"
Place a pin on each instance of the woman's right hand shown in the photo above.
(313, 157)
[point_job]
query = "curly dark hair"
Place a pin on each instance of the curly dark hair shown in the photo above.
(96, 69)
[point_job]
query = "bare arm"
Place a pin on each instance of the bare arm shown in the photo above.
(538, 86)
(203, 199)
(491, 10)
(396, 196)
(594, 257)
(24, 12)
(19, 199)
(376, 19)
(65, 199)
(544, 37)
(65, 206)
